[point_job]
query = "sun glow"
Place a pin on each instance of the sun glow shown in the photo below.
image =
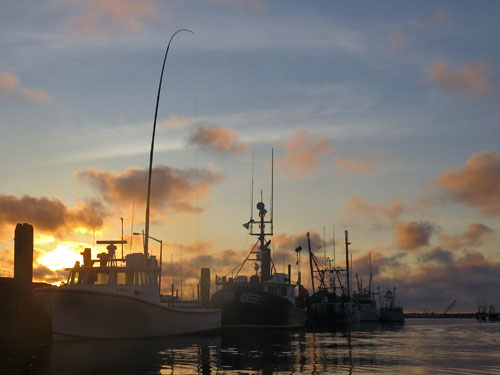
(65, 255)
(44, 239)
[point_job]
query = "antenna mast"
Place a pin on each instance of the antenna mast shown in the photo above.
(146, 238)
(347, 243)
(251, 197)
(272, 188)
(333, 246)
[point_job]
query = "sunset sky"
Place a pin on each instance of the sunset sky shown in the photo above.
(384, 118)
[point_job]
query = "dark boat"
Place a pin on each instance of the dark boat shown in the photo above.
(332, 302)
(265, 299)
(390, 309)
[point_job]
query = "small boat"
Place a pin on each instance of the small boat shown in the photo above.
(390, 309)
(109, 298)
(266, 299)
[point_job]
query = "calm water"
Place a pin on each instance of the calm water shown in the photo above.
(421, 346)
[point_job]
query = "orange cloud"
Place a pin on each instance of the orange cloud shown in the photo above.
(100, 16)
(377, 214)
(171, 188)
(414, 235)
(218, 139)
(476, 184)
(49, 215)
(10, 87)
(362, 166)
(303, 151)
(475, 235)
(471, 78)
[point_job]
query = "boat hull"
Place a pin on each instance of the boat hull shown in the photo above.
(368, 313)
(340, 312)
(250, 308)
(91, 315)
(391, 315)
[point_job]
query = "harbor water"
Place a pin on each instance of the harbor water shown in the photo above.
(420, 346)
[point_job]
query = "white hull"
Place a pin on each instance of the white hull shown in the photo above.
(94, 315)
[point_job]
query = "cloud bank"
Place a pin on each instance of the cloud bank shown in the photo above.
(50, 215)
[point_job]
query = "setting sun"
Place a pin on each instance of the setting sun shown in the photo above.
(65, 255)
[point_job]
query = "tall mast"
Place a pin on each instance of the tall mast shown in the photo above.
(310, 260)
(347, 243)
(370, 283)
(324, 244)
(333, 227)
(272, 188)
(146, 239)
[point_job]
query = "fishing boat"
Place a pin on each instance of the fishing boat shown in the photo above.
(109, 298)
(364, 300)
(265, 299)
(332, 302)
(390, 308)
(367, 306)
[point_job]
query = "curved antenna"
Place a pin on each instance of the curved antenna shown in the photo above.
(146, 235)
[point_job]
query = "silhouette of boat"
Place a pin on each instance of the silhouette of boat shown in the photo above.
(365, 300)
(390, 309)
(332, 301)
(265, 299)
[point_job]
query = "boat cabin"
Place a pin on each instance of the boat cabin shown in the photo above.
(134, 276)
(278, 285)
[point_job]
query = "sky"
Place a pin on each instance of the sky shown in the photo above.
(383, 118)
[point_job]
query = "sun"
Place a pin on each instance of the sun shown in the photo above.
(61, 257)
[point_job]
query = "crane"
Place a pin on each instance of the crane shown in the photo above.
(450, 307)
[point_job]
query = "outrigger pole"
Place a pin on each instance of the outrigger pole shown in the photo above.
(146, 235)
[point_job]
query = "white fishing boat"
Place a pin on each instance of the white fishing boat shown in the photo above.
(109, 298)
(367, 306)
(103, 299)
(365, 300)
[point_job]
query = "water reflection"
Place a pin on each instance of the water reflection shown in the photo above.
(416, 348)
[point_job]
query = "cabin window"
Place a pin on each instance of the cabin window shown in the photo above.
(141, 278)
(74, 278)
(102, 278)
(121, 278)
